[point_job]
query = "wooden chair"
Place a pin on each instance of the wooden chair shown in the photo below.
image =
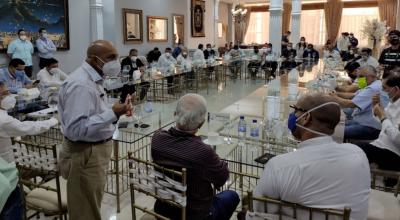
(37, 165)
(297, 210)
(158, 182)
(385, 174)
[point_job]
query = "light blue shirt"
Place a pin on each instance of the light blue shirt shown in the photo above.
(46, 48)
(14, 82)
(82, 107)
(363, 100)
(22, 50)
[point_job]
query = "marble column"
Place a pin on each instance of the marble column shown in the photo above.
(216, 19)
(96, 20)
(275, 25)
(296, 16)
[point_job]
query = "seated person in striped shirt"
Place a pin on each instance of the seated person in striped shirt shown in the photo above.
(179, 148)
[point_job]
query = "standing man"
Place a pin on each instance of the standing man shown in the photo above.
(88, 125)
(390, 57)
(343, 44)
(353, 40)
(45, 47)
(22, 48)
(285, 40)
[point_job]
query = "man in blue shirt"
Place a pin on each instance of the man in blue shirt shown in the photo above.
(22, 48)
(14, 76)
(363, 126)
(45, 47)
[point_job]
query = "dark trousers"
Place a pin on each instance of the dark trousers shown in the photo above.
(385, 159)
(14, 207)
(223, 206)
(253, 68)
(170, 84)
(355, 131)
(271, 64)
(43, 62)
(130, 89)
(28, 71)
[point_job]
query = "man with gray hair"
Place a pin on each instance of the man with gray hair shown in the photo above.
(179, 148)
(362, 126)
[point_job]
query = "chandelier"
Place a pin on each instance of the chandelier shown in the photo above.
(239, 12)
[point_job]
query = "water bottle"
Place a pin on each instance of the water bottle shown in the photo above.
(242, 129)
(254, 129)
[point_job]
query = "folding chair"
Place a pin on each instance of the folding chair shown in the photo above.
(157, 182)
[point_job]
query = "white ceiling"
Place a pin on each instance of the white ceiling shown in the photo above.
(259, 1)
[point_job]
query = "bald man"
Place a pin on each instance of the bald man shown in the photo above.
(88, 125)
(321, 173)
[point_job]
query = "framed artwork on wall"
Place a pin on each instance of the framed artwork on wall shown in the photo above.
(157, 29)
(32, 15)
(198, 11)
(133, 25)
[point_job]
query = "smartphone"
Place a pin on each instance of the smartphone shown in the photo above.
(123, 125)
(263, 159)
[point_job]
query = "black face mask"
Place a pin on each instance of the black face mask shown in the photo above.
(394, 41)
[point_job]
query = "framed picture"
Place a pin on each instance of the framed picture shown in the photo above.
(178, 27)
(198, 10)
(157, 29)
(133, 25)
(32, 15)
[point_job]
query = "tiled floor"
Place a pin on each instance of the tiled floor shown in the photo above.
(246, 98)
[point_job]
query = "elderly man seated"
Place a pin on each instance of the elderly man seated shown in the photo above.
(362, 126)
(14, 76)
(51, 75)
(179, 148)
(321, 173)
(385, 151)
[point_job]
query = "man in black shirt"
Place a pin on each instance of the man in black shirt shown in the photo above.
(153, 55)
(289, 53)
(209, 53)
(390, 57)
(132, 61)
(285, 39)
(353, 40)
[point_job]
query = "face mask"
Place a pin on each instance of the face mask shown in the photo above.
(302, 42)
(8, 102)
(111, 68)
(269, 49)
(365, 58)
(54, 71)
(362, 82)
(293, 119)
(351, 52)
(391, 97)
(133, 58)
(167, 55)
(208, 49)
(394, 41)
(309, 49)
(22, 37)
(184, 55)
(19, 72)
(44, 35)
(289, 48)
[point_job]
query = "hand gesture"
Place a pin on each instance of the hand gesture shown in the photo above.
(376, 99)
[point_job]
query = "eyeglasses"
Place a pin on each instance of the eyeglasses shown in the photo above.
(296, 109)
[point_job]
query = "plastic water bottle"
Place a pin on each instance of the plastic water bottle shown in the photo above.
(242, 129)
(254, 129)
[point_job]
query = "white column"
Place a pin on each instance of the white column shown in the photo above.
(296, 16)
(216, 19)
(96, 20)
(232, 24)
(275, 25)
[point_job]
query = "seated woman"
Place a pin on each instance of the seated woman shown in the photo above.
(255, 63)
(385, 151)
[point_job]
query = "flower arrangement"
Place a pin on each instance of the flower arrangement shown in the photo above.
(374, 30)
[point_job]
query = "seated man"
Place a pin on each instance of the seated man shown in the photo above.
(331, 54)
(51, 75)
(235, 62)
(269, 60)
(179, 148)
(385, 151)
(209, 54)
(255, 62)
(367, 58)
(321, 173)
(153, 56)
(186, 65)
(350, 85)
(14, 76)
(198, 57)
(289, 54)
(310, 53)
(165, 65)
(362, 126)
(132, 62)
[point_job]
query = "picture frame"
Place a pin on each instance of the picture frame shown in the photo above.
(197, 20)
(178, 29)
(132, 25)
(53, 17)
(157, 29)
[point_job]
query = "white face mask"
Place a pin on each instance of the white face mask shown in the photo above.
(22, 37)
(208, 49)
(289, 48)
(54, 71)
(8, 102)
(269, 49)
(133, 58)
(302, 42)
(111, 68)
(167, 55)
(44, 35)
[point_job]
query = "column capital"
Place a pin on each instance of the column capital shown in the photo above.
(296, 6)
(276, 5)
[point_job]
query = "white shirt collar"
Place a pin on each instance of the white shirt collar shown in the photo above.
(315, 141)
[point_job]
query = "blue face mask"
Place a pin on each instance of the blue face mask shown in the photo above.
(292, 120)
(19, 72)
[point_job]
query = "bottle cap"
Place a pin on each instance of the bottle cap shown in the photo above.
(254, 120)
(241, 117)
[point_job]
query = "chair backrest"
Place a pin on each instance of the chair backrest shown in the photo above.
(385, 174)
(163, 184)
(38, 160)
(282, 209)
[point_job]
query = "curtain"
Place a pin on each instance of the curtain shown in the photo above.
(179, 28)
(387, 12)
(333, 16)
(287, 13)
(241, 27)
(246, 24)
(258, 28)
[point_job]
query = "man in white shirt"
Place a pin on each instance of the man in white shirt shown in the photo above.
(343, 43)
(321, 173)
(51, 75)
(367, 58)
(11, 127)
(166, 64)
(186, 66)
(198, 57)
(385, 151)
(331, 54)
